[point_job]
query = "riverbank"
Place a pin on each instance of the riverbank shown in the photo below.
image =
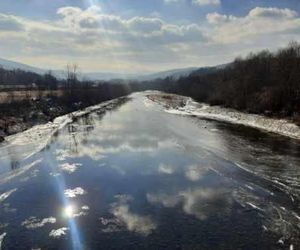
(22, 114)
(181, 105)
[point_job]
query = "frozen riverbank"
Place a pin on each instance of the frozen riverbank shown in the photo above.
(25, 144)
(190, 107)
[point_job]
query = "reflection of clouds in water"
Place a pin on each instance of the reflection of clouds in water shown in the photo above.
(134, 222)
(2, 236)
(204, 203)
(201, 203)
(125, 218)
(165, 169)
(107, 143)
(164, 199)
(57, 233)
(195, 172)
(70, 168)
(5, 195)
(33, 222)
(72, 193)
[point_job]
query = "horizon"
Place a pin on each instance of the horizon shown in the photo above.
(133, 37)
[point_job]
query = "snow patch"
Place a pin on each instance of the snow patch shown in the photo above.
(279, 126)
(72, 193)
(5, 195)
(58, 232)
(33, 222)
(2, 236)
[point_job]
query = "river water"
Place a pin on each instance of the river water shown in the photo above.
(136, 177)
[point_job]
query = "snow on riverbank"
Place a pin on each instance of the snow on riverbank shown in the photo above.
(279, 126)
(25, 144)
(181, 105)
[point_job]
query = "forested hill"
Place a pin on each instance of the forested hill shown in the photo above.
(264, 82)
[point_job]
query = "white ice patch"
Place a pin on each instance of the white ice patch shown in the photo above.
(33, 222)
(2, 236)
(5, 195)
(58, 232)
(70, 168)
(72, 193)
(279, 126)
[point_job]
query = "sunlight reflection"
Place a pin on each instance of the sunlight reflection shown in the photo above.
(69, 211)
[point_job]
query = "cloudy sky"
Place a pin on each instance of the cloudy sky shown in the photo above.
(142, 35)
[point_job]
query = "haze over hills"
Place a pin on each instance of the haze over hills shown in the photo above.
(105, 76)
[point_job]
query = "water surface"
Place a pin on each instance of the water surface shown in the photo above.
(136, 177)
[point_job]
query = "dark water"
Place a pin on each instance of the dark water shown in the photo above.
(138, 178)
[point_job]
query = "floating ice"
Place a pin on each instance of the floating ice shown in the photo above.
(5, 195)
(2, 236)
(72, 193)
(58, 232)
(33, 222)
(70, 168)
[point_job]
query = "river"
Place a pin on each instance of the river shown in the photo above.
(136, 177)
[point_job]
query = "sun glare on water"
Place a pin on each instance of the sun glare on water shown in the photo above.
(69, 211)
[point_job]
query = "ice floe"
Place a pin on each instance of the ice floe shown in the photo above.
(57, 233)
(2, 236)
(70, 168)
(5, 195)
(33, 222)
(72, 193)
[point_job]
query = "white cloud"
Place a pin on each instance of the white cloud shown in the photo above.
(259, 23)
(9, 23)
(172, 1)
(206, 2)
(272, 13)
(107, 42)
(79, 34)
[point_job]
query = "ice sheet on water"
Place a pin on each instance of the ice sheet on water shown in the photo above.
(2, 236)
(5, 195)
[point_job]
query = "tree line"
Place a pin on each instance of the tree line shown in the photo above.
(265, 82)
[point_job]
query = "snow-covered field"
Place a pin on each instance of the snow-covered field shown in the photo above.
(279, 126)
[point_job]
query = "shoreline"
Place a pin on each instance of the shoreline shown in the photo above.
(181, 105)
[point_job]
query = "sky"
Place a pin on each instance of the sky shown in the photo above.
(138, 36)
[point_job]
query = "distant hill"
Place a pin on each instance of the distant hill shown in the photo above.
(106, 76)
(10, 65)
